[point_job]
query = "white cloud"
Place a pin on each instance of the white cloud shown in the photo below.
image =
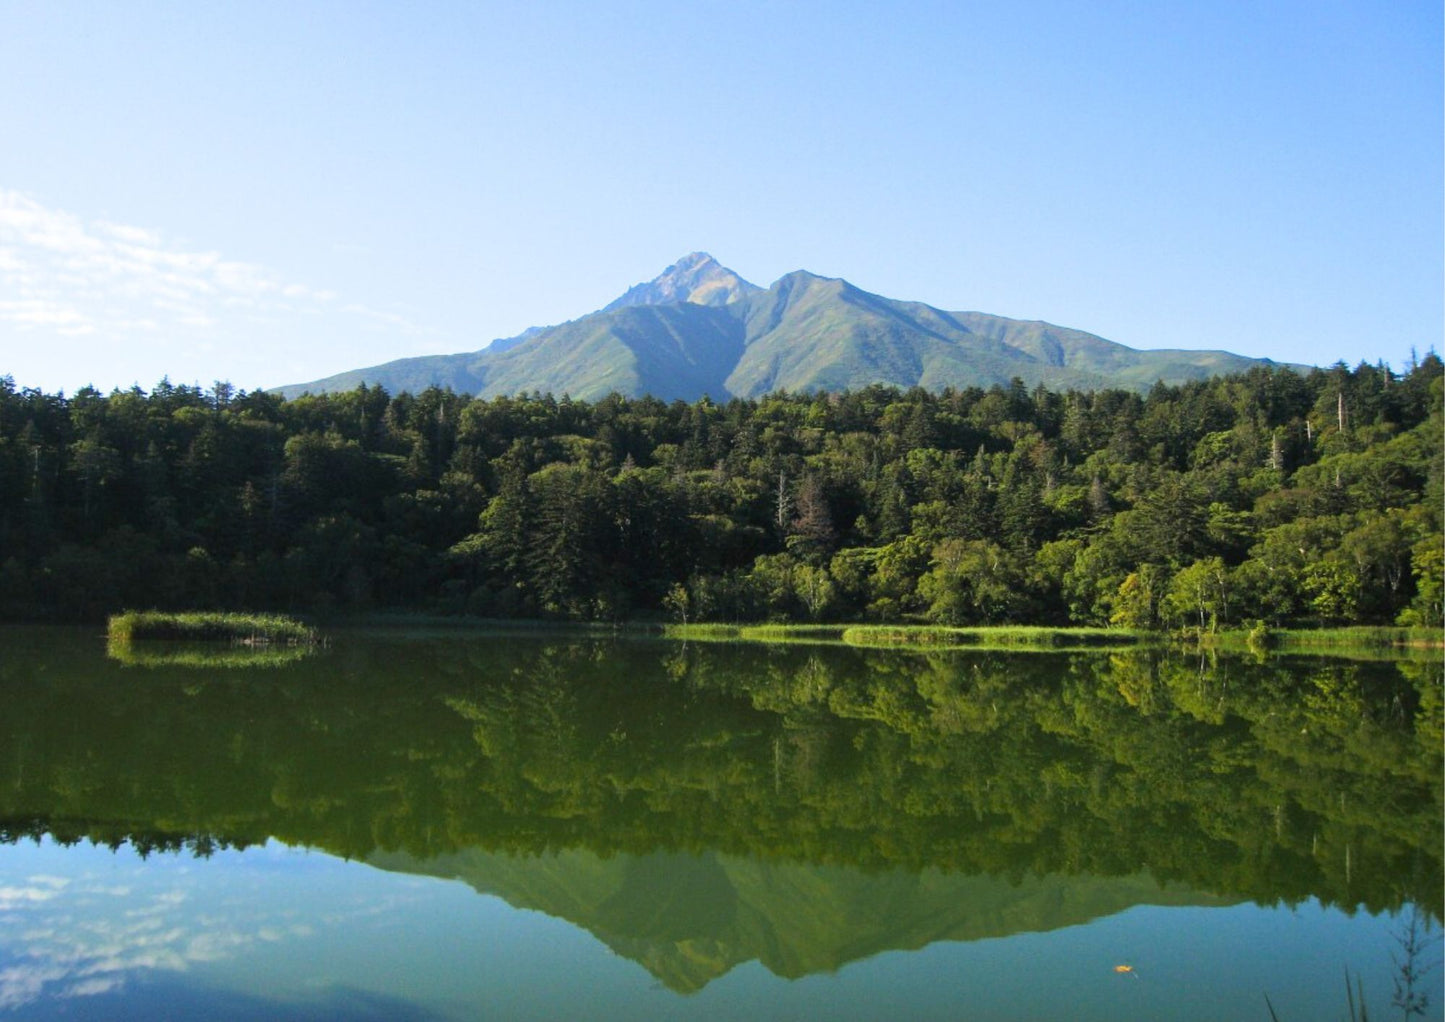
(48, 880)
(13, 897)
(29, 313)
(65, 276)
(92, 987)
(22, 984)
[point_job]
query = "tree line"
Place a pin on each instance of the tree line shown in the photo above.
(1272, 495)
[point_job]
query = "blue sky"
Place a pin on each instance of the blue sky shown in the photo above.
(270, 193)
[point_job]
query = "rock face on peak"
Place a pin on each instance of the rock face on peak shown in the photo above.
(699, 328)
(697, 278)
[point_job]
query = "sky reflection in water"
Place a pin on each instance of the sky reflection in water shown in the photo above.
(285, 933)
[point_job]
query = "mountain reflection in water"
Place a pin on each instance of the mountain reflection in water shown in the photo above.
(689, 919)
(699, 806)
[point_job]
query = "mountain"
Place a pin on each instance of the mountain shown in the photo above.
(697, 278)
(699, 328)
(689, 919)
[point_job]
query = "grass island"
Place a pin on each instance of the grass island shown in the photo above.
(204, 626)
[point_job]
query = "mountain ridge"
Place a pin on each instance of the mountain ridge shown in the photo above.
(699, 328)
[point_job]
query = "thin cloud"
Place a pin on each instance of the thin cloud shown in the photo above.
(67, 276)
(39, 312)
(15, 896)
(378, 318)
(100, 950)
(133, 235)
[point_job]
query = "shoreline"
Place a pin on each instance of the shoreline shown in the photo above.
(1371, 639)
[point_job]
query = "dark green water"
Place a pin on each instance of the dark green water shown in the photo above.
(521, 826)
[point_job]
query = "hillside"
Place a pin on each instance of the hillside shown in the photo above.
(700, 329)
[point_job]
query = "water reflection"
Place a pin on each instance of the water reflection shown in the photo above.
(703, 806)
(136, 938)
(203, 655)
(689, 919)
(77, 945)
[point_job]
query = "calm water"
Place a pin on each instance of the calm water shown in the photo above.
(524, 827)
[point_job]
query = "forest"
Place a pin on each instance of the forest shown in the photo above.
(1274, 496)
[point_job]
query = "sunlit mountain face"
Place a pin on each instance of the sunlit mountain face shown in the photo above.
(699, 328)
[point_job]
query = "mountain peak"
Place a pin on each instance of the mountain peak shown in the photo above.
(805, 278)
(697, 277)
(693, 260)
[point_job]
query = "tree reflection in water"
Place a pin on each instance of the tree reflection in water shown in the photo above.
(1281, 781)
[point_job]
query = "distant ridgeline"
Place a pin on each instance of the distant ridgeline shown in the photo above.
(1273, 495)
(1286, 780)
(700, 329)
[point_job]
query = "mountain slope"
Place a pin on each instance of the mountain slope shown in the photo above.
(675, 351)
(699, 328)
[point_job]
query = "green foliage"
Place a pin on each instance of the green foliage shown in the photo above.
(996, 637)
(1367, 641)
(972, 581)
(1137, 603)
(1333, 590)
(1202, 504)
(1427, 561)
(1198, 595)
(141, 625)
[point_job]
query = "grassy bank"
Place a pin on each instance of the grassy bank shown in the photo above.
(706, 632)
(143, 625)
(915, 636)
(1372, 642)
(998, 637)
(1362, 639)
(265, 629)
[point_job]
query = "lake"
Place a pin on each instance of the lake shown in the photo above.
(464, 825)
